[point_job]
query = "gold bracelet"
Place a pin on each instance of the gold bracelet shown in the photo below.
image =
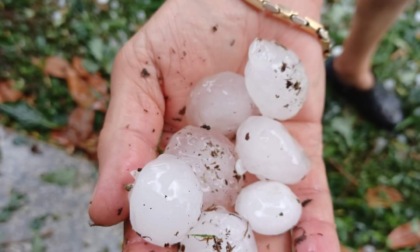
(305, 23)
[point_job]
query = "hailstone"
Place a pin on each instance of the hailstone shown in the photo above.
(266, 149)
(275, 79)
(165, 201)
(219, 230)
(270, 207)
(212, 158)
(220, 102)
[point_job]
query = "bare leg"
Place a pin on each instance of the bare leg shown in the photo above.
(371, 21)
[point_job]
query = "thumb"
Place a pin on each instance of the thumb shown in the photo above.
(131, 130)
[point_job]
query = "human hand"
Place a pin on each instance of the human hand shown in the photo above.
(152, 76)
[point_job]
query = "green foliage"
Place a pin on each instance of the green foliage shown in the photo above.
(61, 177)
(35, 29)
(359, 156)
(27, 116)
(37, 241)
(16, 201)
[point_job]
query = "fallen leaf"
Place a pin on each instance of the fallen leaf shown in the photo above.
(405, 236)
(90, 146)
(16, 201)
(27, 116)
(398, 54)
(81, 122)
(78, 131)
(382, 196)
(345, 249)
(103, 6)
(36, 62)
(79, 89)
(79, 127)
(77, 64)
(56, 67)
(344, 126)
(61, 177)
(8, 93)
(98, 83)
(96, 47)
(61, 138)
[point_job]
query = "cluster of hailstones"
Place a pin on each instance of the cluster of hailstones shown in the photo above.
(188, 193)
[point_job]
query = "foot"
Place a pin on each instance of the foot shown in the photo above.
(378, 105)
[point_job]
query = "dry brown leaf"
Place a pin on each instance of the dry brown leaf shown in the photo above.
(70, 149)
(8, 93)
(61, 138)
(102, 6)
(36, 62)
(90, 145)
(78, 133)
(81, 122)
(98, 83)
(398, 54)
(345, 249)
(77, 64)
(415, 156)
(79, 128)
(79, 89)
(30, 100)
(382, 196)
(405, 236)
(56, 67)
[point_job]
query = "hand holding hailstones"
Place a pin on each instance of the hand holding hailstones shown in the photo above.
(182, 196)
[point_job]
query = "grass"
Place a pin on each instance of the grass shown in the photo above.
(358, 156)
(369, 157)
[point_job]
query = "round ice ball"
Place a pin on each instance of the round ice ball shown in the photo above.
(165, 201)
(275, 79)
(220, 230)
(270, 207)
(266, 149)
(212, 158)
(220, 102)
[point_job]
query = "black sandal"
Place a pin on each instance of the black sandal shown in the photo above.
(377, 105)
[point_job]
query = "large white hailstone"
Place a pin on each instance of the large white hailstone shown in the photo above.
(220, 102)
(212, 158)
(266, 149)
(275, 79)
(270, 207)
(165, 201)
(219, 230)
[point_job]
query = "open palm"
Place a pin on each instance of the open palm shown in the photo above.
(152, 76)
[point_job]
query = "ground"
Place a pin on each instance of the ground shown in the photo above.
(44, 196)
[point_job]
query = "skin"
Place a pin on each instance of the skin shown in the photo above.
(355, 63)
(152, 76)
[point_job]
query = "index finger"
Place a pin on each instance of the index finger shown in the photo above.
(131, 130)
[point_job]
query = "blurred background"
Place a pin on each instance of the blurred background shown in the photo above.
(55, 61)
